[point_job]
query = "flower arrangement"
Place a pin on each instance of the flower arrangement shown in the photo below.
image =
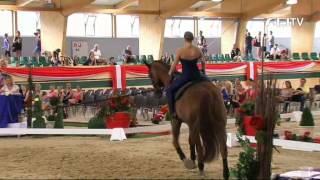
(246, 109)
(288, 135)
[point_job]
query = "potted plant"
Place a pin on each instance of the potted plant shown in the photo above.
(121, 112)
(39, 121)
(98, 121)
(50, 121)
(247, 122)
(307, 121)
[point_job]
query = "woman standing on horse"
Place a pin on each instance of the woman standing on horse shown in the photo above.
(188, 55)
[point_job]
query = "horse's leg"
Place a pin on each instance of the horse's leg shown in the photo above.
(190, 163)
(176, 124)
(224, 155)
(200, 155)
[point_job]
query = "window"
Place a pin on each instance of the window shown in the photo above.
(177, 27)
(317, 30)
(210, 28)
(6, 22)
(254, 27)
(89, 25)
(28, 22)
(127, 26)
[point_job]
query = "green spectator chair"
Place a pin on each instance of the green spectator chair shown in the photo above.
(136, 59)
(150, 58)
(221, 58)
(43, 62)
(216, 58)
(210, 59)
(34, 62)
(227, 57)
(24, 61)
(314, 56)
(143, 58)
(83, 59)
(13, 61)
(296, 56)
(305, 56)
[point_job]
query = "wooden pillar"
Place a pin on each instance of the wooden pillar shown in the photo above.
(302, 37)
(196, 27)
(114, 25)
(14, 22)
(53, 31)
(228, 36)
(151, 36)
(241, 35)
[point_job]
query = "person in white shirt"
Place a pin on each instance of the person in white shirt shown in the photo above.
(270, 41)
(275, 52)
(96, 51)
(9, 87)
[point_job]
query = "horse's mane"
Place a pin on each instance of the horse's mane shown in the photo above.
(162, 65)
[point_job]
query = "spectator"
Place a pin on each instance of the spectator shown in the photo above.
(9, 87)
(37, 49)
(258, 44)
(45, 100)
(286, 94)
(248, 46)
(91, 61)
(127, 55)
(1, 80)
(76, 96)
(202, 43)
(3, 63)
(275, 52)
(55, 60)
(270, 41)
(299, 95)
(6, 46)
(166, 58)
(96, 52)
(252, 91)
(75, 60)
(112, 61)
(52, 92)
(284, 55)
(68, 94)
(235, 52)
(17, 46)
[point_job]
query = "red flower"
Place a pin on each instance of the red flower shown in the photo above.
(306, 134)
(287, 135)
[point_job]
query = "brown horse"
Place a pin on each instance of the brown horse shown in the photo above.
(202, 108)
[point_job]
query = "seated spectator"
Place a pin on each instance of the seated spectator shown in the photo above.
(235, 53)
(275, 52)
(45, 101)
(55, 60)
(9, 87)
(166, 58)
(68, 94)
(286, 95)
(112, 61)
(52, 92)
(76, 96)
(300, 94)
(252, 91)
(284, 54)
(3, 63)
(91, 61)
(96, 52)
(75, 60)
(127, 55)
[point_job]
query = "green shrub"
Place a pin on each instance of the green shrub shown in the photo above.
(96, 123)
(59, 119)
(51, 118)
(307, 118)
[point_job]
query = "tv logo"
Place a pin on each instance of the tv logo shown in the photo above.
(285, 21)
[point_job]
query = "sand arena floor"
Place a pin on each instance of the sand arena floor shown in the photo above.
(97, 157)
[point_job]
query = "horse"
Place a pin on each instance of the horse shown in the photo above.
(202, 108)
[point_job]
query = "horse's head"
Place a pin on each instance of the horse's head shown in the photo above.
(158, 73)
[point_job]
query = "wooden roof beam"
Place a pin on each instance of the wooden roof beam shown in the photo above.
(209, 6)
(125, 4)
(17, 8)
(74, 6)
(170, 8)
(275, 5)
(210, 14)
(21, 3)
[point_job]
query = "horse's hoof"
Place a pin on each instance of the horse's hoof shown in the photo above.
(189, 164)
(201, 173)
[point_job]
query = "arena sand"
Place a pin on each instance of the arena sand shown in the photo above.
(96, 157)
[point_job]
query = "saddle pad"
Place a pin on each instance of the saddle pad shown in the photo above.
(180, 92)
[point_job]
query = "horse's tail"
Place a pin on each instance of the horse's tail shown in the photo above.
(212, 121)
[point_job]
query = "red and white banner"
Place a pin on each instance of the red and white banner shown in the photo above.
(120, 74)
